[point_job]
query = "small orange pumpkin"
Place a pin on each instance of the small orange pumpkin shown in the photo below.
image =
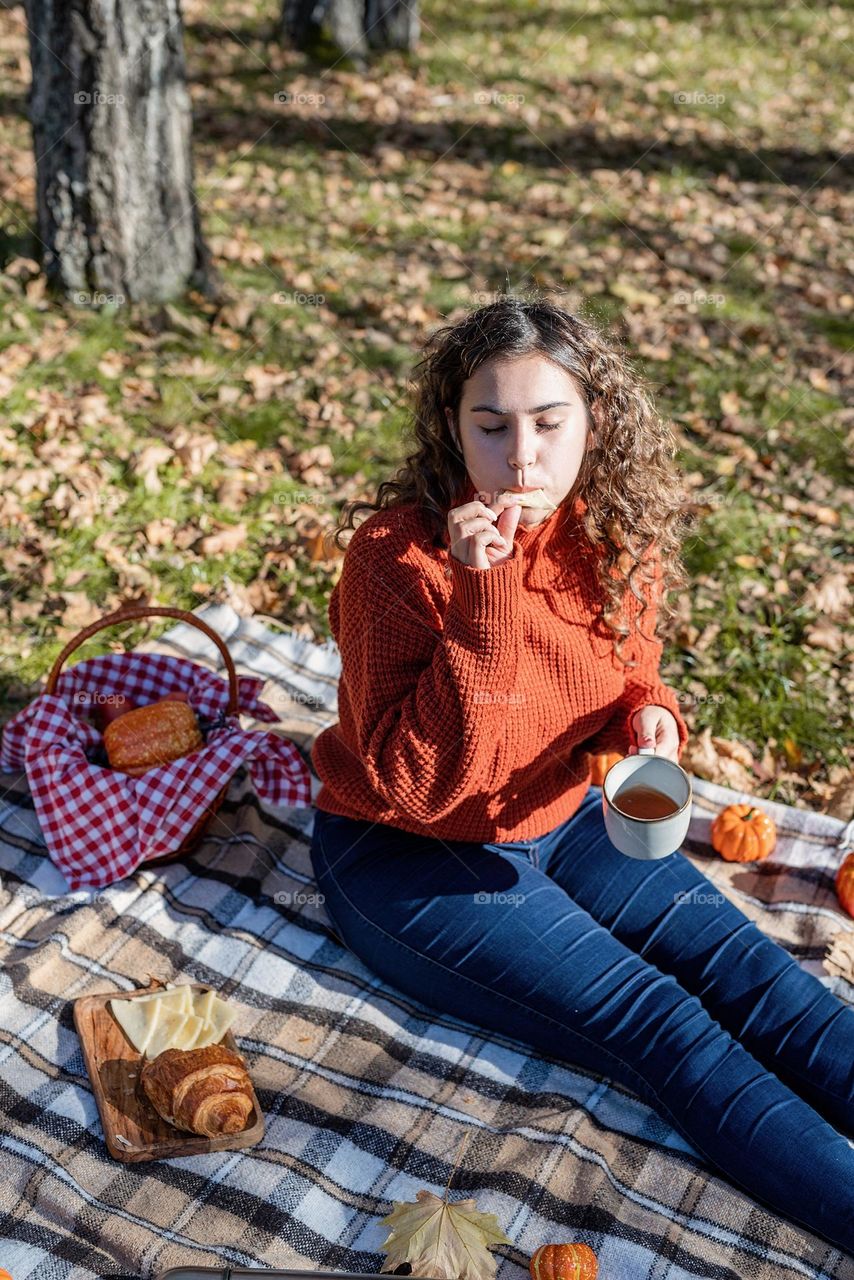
(743, 833)
(153, 735)
(600, 764)
(564, 1262)
(845, 884)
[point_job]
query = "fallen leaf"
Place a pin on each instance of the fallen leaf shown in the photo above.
(448, 1241)
(185, 324)
(320, 546)
(725, 763)
(159, 533)
(825, 636)
(839, 958)
(79, 611)
(633, 296)
(111, 364)
(841, 802)
(830, 596)
(263, 379)
(194, 448)
(226, 539)
(733, 751)
(147, 463)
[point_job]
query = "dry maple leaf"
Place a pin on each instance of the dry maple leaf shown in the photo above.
(839, 957)
(448, 1241)
(728, 764)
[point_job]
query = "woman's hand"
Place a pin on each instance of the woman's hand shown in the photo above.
(655, 726)
(482, 536)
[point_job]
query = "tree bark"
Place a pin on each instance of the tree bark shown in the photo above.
(354, 26)
(392, 24)
(112, 129)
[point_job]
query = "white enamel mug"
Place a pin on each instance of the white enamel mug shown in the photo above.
(647, 837)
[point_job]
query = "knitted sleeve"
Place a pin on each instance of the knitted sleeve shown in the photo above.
(644, 686)
(419, 694)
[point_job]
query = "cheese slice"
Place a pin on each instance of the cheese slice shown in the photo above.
(177, 997)
(222, 1016)
(194, 1037)
(168, 1031)
(536, 498)
(138, 1019)
(202, 1004)
(178, 1018)
(186, 1037)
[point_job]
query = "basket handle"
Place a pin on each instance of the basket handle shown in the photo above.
(129, 613)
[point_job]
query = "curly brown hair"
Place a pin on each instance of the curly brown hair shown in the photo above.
(635, 514)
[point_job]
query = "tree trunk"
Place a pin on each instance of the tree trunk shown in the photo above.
(112, 128)
(392, 24)
(354, 26)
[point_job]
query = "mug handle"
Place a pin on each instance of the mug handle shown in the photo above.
(646, 751)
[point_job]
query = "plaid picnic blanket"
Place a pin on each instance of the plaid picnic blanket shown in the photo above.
(367, 1094)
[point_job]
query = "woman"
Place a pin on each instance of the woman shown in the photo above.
(487, 647)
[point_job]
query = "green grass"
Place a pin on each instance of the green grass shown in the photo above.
(839, 330)
(491, 186)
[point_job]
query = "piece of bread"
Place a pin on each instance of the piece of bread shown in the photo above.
(152, 735)
(205, 1091)
(536, 498)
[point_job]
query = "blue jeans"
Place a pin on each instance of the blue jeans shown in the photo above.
(638, 971)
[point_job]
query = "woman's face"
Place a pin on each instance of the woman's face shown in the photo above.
(522, 424)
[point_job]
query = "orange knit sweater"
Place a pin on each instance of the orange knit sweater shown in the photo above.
(469, 698)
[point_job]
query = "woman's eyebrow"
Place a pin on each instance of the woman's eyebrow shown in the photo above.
(488, 408)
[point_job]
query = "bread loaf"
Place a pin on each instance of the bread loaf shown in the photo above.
(152, 735)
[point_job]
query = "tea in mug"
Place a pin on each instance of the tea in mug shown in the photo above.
(639, 801)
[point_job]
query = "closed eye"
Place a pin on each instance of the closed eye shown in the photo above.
(545, 426)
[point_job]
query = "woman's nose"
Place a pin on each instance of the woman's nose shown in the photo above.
(521, 454)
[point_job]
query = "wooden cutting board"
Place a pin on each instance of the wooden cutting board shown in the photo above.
(133, 1130)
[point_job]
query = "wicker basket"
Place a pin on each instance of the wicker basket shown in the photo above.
(131, 613)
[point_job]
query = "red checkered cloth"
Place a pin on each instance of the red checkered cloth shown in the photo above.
(99, 824)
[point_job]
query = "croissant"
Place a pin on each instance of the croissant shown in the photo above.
(205, 1091)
